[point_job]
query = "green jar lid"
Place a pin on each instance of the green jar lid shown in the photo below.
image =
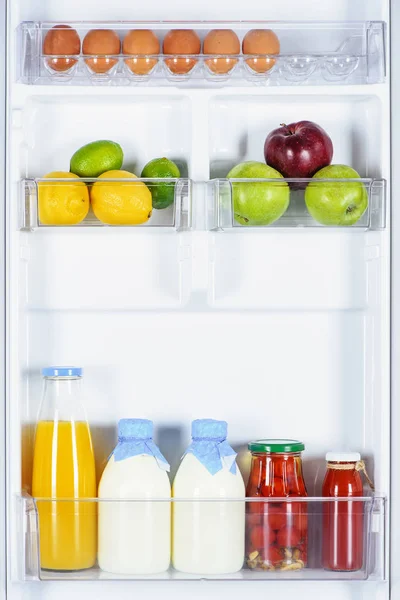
(276, 446)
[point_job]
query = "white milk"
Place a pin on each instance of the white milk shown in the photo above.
(208, 537)
(134, 537)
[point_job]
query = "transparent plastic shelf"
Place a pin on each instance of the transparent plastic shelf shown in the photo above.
(220, 198)
(312, 53)
(38, 196)
(226, 193)
(308, 561)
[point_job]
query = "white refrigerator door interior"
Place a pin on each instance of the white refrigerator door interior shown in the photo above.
(280, 332)
(395, 329)
(3, 44)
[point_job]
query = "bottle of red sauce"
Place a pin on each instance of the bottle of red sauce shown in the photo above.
(343, 522)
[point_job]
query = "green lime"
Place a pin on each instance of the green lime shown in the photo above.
(162, 193)
(96, 158)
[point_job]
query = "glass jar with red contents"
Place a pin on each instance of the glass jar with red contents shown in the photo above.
(276, 532)
(343, 521)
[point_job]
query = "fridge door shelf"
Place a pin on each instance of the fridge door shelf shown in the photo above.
(176, 216)
(223, 217)
(220, 195)
(369, 510)
(311, 53)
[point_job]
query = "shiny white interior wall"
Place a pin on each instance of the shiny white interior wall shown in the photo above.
(300, 375)
(3, 78)
(238, 126)
(198, 590)
(251, 9)
(145, 126)
(395, 415)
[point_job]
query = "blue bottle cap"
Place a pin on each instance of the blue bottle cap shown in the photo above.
(62, 372)
(136, 429)
(209, 429)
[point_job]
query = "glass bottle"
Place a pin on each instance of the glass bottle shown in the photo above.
(135, 537)
(343, 522)
(208, 537)
(276, 532)
(64, 469)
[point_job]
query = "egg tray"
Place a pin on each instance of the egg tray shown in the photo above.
(293, 69)
(356, 57)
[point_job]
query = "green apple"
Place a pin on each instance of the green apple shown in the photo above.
(336, 203)
(258, 203)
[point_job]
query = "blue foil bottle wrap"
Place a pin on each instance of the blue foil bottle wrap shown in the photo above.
(135, 437)
(210, 447)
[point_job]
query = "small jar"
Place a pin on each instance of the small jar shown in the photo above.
(276, 532)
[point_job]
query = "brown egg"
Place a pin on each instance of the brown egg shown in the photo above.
(61, 40)
(261, 41)
(139, 42)
(101, 42)
(221, 41)
(181, 42)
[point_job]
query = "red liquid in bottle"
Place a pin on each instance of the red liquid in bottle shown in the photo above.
(343, 522)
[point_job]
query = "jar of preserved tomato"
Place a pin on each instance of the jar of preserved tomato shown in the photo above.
(343, 521)
(276, 532)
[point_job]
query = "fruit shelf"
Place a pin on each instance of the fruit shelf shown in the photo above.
(368, 511)
(226, 193)
(310, 53)
(220, 197)
(176, 216)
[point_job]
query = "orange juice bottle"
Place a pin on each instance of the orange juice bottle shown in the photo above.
(64, 475)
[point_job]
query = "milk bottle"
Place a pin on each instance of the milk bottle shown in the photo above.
(134, 536)
(208, 537)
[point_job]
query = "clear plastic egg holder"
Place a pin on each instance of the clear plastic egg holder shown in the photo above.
(310, 53)
(292, 69)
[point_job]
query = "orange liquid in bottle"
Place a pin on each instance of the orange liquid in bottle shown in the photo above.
(64, 467)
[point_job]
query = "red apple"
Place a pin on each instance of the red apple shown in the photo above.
(299, 149)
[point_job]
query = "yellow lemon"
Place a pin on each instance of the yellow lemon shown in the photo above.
(125, 203)
(61, 202)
